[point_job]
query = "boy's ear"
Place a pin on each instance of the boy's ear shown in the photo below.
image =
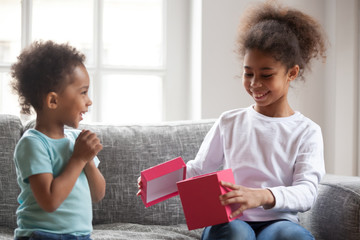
(52, 100)
(293, 72)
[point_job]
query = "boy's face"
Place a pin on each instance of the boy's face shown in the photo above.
(74, 100)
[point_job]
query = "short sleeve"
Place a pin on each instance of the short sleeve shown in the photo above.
(32, 157)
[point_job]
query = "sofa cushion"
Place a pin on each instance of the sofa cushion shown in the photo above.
(144, 232)
(336, 213)
(10, 133)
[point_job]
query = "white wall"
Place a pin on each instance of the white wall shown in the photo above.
(342, 88)
(329, 96)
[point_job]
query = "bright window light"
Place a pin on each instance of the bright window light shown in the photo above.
(131, 99)
(124, 44)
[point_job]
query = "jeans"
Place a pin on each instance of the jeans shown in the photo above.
(40, 235)
(271, 230)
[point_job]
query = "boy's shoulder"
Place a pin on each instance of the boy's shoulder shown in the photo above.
(32, 139)
(32, 135)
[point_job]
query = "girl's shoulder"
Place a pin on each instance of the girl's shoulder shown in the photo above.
(233, 117)
(235, 113)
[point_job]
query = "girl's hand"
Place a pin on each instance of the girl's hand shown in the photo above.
(247, 198)
(139, 183)
(87, 146)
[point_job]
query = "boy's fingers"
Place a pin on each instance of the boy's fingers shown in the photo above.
(88, 134)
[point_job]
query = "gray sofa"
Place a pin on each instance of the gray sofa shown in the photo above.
(130, 149)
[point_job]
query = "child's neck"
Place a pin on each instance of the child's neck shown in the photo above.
(286, 111)
(49, 128)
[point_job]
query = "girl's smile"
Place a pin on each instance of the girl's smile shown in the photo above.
(259, 96)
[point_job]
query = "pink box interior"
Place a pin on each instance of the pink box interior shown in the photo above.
(159, 182)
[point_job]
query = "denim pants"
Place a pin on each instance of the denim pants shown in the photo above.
(271, 230)
(40, 235)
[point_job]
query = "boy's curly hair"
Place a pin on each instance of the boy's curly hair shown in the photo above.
(41, 68)
(288, 35)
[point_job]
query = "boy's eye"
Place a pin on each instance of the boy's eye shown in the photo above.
(84, 92)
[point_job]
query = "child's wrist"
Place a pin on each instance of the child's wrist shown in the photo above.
(90, 164)
(81, 160)
(269, 199)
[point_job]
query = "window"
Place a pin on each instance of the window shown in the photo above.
(10, 12)
(126, 45)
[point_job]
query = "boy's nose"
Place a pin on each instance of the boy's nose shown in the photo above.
(89, 102)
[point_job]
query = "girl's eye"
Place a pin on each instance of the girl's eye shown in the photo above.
(248, 74)
(84, 93)
(267, 76)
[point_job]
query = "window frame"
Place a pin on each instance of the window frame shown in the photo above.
(173, 72)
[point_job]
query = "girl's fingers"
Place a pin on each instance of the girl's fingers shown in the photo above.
(231, 200)
(139, 182)
(236, 213)
(138, 193)
(230, 185)
(228, 195)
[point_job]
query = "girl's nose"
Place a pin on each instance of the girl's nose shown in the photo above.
(255, 83)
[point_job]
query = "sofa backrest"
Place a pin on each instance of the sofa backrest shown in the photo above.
(127, 150)
(10, 132)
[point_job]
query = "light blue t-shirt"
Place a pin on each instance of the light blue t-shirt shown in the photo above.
(36, 153)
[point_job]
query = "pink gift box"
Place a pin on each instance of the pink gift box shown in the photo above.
(200, 199)
(159, 182)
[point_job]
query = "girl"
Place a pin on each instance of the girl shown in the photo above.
(56, 167)
(276, 153)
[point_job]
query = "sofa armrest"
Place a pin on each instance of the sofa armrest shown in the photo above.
(336, 213)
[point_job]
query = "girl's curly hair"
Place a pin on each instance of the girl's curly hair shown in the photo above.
(41, 68)
(288, 35)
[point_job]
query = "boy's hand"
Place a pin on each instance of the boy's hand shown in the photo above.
(87, 146)
(50, 192)
(246, 197)
(139, 182)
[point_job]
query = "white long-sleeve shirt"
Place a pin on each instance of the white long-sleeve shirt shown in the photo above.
(284, 155)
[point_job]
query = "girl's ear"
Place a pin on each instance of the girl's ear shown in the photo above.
(293, 72)
(52, 100)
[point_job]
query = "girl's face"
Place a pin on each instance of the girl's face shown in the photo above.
(74, 100)
(267, 81)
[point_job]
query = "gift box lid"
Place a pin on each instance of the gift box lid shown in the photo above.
(159, 182)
